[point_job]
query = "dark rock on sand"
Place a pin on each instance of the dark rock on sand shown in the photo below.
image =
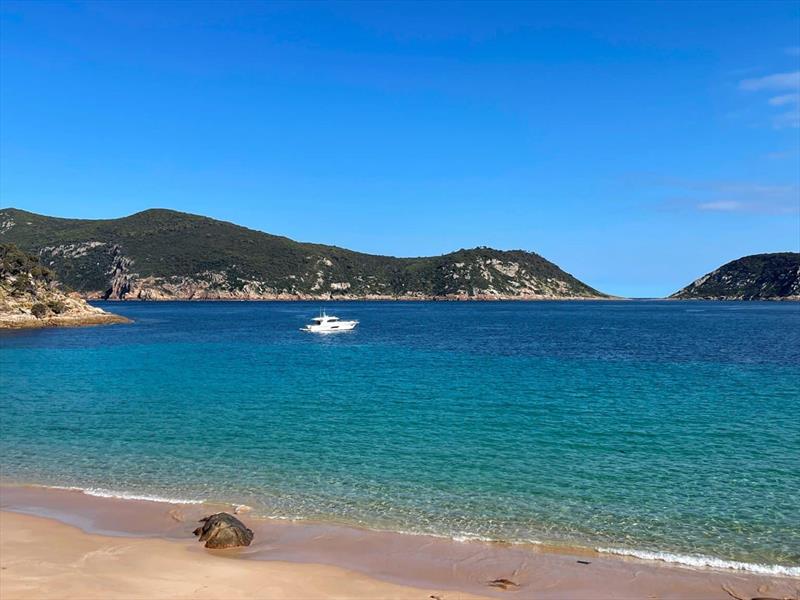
(222, 530)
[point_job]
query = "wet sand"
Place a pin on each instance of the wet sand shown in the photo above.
(81, 546)
(41, 558)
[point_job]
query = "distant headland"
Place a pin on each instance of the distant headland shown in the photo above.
(162, 254)
(757, 277)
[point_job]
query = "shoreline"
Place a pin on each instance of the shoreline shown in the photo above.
(62, 321)
(91, 297)
(419, 561)
(671, 559)
(390, 299)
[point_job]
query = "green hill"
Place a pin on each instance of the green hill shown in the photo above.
(164, 254)
(756, 277)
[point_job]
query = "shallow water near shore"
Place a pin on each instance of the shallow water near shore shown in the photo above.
(423, 562)
(668, 428)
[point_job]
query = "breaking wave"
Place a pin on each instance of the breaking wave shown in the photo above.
(703, 561)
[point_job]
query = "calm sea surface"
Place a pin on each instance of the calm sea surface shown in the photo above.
(666, 427)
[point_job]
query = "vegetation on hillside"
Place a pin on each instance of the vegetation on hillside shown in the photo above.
(175, 251)
(14, 262)
(755, 277)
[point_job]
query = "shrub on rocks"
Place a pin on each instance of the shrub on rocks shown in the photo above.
(39, 310)
(57, 306)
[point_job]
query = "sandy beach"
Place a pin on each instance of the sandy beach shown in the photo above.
(42, 558)
(73, 545)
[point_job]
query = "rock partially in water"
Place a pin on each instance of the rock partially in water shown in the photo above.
(222, 530)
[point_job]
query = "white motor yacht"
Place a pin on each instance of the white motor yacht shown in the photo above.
(325, 323)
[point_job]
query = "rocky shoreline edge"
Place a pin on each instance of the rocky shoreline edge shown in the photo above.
(31, 297)
(342, 298)
(31, 322)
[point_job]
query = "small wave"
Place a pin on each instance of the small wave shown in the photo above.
(696, 561)
(103, 493)
(700, 560)
(468, 537)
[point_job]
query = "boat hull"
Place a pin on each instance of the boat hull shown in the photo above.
(337, 327)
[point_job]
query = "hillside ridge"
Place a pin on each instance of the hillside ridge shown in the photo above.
(771, 276)
(165, 254)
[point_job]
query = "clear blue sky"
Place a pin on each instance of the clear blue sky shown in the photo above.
(637, 145)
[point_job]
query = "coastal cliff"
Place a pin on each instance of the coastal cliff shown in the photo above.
(167, 255)
(31, 297)
(756, 277)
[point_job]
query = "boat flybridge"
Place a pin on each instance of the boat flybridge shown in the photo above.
(325, 323)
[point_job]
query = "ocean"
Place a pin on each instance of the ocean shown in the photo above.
(657, 429)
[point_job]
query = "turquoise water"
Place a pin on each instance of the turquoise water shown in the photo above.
(645, 427)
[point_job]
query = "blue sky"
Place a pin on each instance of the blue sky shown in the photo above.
(637, 145)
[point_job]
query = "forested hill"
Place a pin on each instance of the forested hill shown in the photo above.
(756, 277)
(164, 254)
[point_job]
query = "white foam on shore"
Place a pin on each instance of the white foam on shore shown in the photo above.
(103, 493)
(701, 561)
(464, 538)
(694, 561)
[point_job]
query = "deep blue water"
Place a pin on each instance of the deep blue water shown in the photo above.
(650, 426)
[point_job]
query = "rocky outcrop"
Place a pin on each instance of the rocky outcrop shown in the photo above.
(219, 286)
(478, 279)
(121, 278)
(30, 296)
(222, 530)
(6, 223)
(757, 277)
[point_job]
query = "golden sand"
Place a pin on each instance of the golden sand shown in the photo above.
(41, 558)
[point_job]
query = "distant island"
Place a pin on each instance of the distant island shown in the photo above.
(162, 254)
(31, 297)
(757, 277)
